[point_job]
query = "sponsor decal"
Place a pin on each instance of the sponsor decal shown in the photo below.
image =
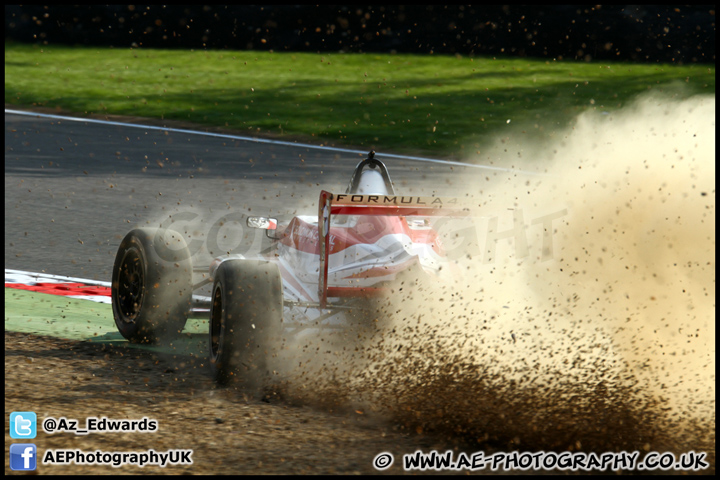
(392, 200)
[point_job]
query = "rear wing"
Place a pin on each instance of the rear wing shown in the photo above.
(379, 205)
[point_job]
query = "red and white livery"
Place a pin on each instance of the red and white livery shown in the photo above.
(316, 270)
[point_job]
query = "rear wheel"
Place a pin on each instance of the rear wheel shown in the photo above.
(151, 285)
(245, 317)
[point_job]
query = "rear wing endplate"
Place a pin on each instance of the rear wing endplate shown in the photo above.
(378, 205)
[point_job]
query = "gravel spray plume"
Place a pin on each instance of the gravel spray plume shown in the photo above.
(585, 319)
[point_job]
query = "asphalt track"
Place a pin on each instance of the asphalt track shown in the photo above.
(73, 189)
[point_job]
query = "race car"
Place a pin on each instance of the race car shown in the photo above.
(315, 275)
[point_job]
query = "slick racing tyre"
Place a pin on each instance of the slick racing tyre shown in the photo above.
(245, 318)
(151, 285)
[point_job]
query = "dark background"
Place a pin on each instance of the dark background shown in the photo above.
(641, 33)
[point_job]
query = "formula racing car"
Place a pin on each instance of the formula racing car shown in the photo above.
(316, 271)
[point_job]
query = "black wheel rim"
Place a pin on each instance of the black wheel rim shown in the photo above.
(131, 281)
(216, 323)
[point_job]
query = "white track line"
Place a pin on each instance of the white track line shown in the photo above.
(20, 276)
(268, 141)
(30, 278)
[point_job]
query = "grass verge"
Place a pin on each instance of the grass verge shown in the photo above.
(442, 106)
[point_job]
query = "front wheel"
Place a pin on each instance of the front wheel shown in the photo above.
(151, 285)
(245, 317)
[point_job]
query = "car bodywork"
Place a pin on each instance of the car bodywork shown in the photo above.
(355, 248)
(317, 273)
